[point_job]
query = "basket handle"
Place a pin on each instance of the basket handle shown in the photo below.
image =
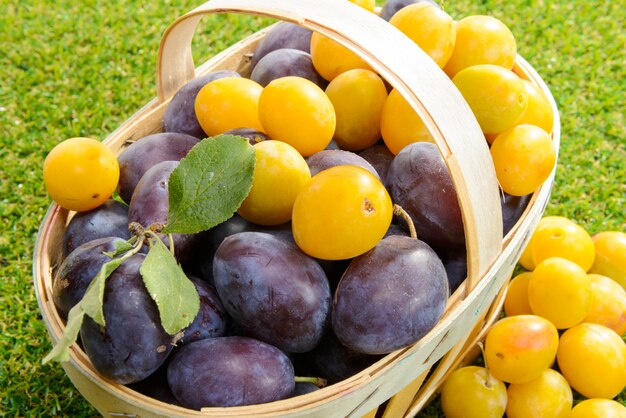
(407, 68)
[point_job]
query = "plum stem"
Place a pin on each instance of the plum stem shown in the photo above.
(399, 211)
(136, 229)
(139, 231)
(171, 239)
(157, 227)
(317, 381)
(488, 378)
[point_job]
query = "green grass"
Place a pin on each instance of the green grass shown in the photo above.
(81, 68)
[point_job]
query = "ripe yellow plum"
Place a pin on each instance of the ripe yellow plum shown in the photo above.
(80, 173)
(549, 395)
(523, 157)
(520, 348)
(296, 111)
(341, 213)
(598, 408)
(563, 238)
(481, 40)
(472, 392)
(608, 304)
(526, 258)
(610, 259)
(592, 358)
(279, 175)
(560, 291)
(539, 111)
(366, 4)
(331, 58)
(431, 28)
(228, 103)
(516, 300)
(358, 97)
(400, 125)
(496, 96)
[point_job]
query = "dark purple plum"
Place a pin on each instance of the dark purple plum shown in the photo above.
(334, 269)
(150, 204)
(395, 229)
(273, 290)
(180, 115)
(212, 240)
(286, 62)
(282, 35)
(214, 237)
(419, 181)
(512, 209)
(332, 145)
(108, 220)
(236, 330)
(326, 159)
(302, 388)
(335, 362)
(391, 7)
(78, 270)
(133, 345)
(455, 262)
(282, 231)
(143, 154)
(252, 135)
(212, 319)
(380, 158)
(229, 371)
(156, 386)
(390, 297)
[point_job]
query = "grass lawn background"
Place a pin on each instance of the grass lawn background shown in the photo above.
(82, 68)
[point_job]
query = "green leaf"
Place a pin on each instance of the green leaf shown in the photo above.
(90, 304)
(209, 184)
(121, 247)
(61, 351)
(175, 295)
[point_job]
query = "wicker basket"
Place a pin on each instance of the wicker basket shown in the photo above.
(491, 259)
